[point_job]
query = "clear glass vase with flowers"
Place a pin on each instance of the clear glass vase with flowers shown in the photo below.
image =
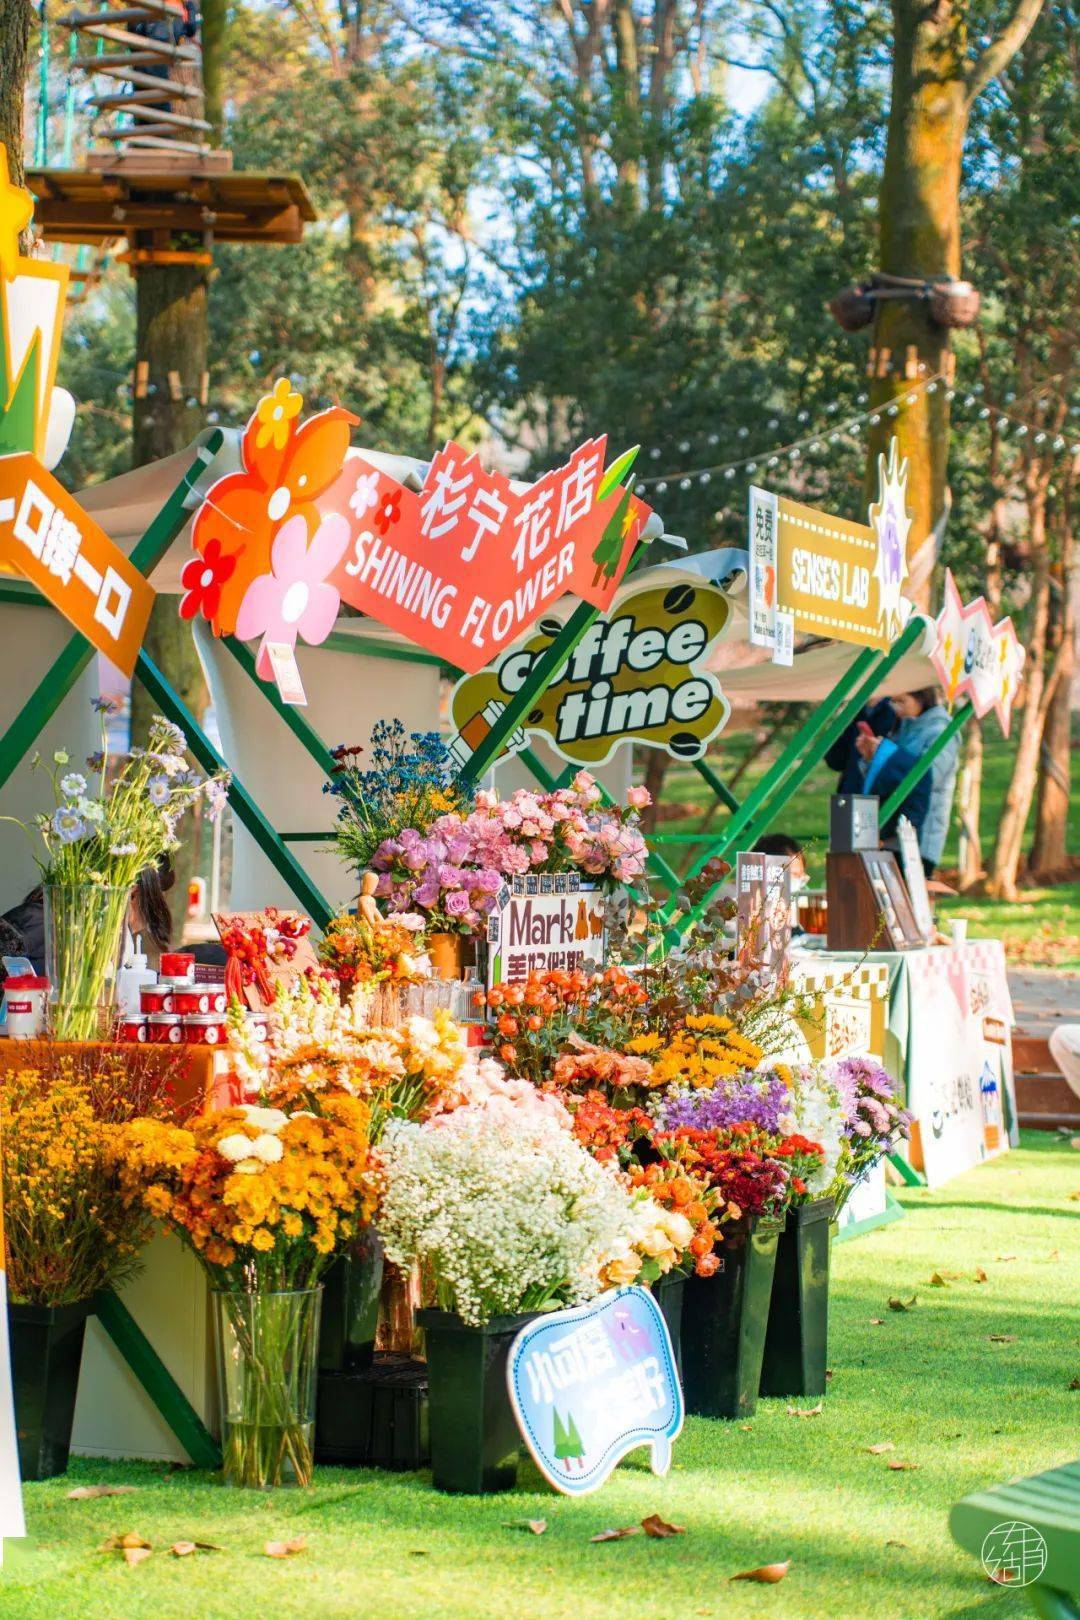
(107, 827)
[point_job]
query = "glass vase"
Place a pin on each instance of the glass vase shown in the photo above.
(268, 1358)
(84, 936)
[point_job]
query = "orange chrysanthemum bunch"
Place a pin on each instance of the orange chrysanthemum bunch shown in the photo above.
(264, 1197)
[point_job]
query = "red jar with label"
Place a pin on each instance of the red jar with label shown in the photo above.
(132, 1027)
(156, 998)
(196, 999)
(164, 1029)
(177, 965)
(205, 1029)
(258, 1026)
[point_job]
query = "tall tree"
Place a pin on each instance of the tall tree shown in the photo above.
(935, 81)
(14, 60)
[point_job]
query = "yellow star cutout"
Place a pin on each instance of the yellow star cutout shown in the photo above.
(16, 212)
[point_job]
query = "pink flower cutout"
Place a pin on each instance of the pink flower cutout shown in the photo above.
(294, 598)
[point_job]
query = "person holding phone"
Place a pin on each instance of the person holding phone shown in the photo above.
(875, 754)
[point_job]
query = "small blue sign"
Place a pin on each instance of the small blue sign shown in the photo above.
(589, 1385)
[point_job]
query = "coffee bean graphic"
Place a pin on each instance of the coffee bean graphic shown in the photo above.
(535, 716)
(679, 599)
(550, 627)
(685, 745)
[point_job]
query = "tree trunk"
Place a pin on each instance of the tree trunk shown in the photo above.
(969, 807)
(1021, 791)
(214, 15)
(919, 226)
(171, 342)
(1049, 849)
(14, 61)
(656, 764)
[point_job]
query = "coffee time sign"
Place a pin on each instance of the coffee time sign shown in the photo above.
(828, 576)
(638, 675)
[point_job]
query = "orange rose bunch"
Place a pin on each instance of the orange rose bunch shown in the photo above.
(679, 1189)
(535, 1019)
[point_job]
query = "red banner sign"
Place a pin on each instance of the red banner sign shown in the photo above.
(466, 565)
(461, 567)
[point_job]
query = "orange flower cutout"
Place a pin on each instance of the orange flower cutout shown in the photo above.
(286, 468)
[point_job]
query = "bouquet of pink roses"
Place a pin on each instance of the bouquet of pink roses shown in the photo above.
(453, 870)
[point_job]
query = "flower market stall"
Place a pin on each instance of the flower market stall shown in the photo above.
(459, 1083)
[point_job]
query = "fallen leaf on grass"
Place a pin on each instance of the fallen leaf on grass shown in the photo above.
(980, 1275)
(896, 1544)
(936, 1281)
(535, 1527)
(767, 1575)
(654, 1525)
(807, 1411)
(1003, 1338)
(1055, 1254)
(1005, 1258)
(1075, 1383)
(747, 1428)
(121, 1543)
(617, 1535)
(877, 1321)
(83, 1493)
(184, 1549)
(882, 1445)
(1074, 1197)
(898, 1304)
(901, 1467)
(132, 1547)
(286, 1549)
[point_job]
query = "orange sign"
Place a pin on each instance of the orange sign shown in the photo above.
(46, 536)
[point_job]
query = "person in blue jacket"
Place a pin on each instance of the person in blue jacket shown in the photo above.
(876, 752)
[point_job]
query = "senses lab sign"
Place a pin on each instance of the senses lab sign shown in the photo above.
(827, 576)
(637, 675)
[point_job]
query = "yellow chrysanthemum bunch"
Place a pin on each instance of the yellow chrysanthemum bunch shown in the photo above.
(69, 1229)
(264, 1197)
(703, 1049)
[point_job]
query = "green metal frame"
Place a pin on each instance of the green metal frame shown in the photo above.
(157, 1380)
(893, 1211)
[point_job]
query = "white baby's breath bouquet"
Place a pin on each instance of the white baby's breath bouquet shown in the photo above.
(506, 1211)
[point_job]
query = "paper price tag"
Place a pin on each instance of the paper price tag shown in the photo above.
(784, 637)
(286, 673)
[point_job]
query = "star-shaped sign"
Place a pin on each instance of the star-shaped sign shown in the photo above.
(891, 522)
(16, 212)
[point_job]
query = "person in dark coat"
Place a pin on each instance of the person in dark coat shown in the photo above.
(853, 755)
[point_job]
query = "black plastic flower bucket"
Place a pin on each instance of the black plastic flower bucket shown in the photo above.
(350, 1308)
(668, 1292)
(724, 1319)
(475, 1439)
(797, 1338)
(46, 1355)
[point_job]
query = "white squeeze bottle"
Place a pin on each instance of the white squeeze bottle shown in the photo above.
(132, 977)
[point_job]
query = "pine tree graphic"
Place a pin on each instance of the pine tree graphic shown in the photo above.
(568, 1442)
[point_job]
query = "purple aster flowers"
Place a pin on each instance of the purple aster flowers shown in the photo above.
(746, 1099)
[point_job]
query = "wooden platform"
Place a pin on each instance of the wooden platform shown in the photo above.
(1041, 1001)
(173, 192)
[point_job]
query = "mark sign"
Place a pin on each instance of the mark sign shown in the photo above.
(590, 1385)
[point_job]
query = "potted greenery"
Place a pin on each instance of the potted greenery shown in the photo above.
(69, 1230)
(508, 1216)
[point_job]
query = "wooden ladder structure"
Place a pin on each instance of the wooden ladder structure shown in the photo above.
(153, 76)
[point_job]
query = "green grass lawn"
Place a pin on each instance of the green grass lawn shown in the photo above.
(1042, 928)
(864, 1541)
